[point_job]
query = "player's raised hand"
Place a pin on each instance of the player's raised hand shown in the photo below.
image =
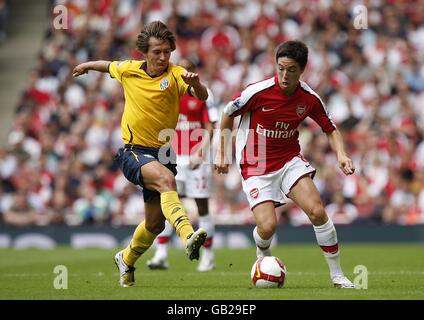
(346, 165)
(191, 78)
(80, 69)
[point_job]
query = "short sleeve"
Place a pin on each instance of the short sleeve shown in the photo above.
(117, 69)
(240, 104)
(321, 116)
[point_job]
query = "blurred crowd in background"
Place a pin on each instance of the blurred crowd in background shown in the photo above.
(57, 167)
(3, 20)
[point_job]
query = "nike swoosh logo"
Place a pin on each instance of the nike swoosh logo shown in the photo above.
(258, 273)
(266, 110)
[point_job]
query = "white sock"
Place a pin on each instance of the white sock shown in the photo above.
(168, 231)
(327, 239)
(161, 250)
(162, 241)
(261, 243)
(207, 253)
(206, 222)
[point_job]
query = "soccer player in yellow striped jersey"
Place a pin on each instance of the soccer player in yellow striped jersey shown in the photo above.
(147, 109)
(153, 89)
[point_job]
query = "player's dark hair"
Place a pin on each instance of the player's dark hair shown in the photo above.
(155, 29)
(295, 50)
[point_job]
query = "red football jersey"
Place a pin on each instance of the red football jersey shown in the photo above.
(267, 137)
(193, 115)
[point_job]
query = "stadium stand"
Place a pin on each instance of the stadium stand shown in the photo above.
(57, 167)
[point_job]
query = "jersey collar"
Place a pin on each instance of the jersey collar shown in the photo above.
(144, 67)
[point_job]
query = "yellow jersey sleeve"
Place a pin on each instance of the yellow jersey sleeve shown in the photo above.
(117, 68)
(182, 86)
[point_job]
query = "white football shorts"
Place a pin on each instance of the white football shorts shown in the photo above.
(275, 186)
(195, 183)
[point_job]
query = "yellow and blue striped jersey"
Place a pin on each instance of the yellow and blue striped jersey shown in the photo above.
(151, 104)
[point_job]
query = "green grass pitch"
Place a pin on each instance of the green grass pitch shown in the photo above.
(395, 271)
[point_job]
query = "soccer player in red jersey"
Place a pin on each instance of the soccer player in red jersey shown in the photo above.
(268, 152)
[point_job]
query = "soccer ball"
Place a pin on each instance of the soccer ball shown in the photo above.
(268, 272)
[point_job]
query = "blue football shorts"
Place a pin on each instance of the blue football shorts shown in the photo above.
(131, 158)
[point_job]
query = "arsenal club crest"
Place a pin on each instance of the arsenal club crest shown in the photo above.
(300, 111)
(254, 193)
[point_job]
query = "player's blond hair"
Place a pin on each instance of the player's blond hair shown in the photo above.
(155, 29)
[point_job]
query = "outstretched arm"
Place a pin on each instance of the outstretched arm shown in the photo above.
(101, 66)
(336, 143)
